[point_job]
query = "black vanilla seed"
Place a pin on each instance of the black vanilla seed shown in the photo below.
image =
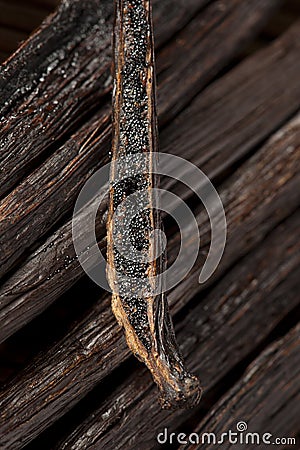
(138, 305)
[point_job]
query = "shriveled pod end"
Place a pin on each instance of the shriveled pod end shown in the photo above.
(186, 395)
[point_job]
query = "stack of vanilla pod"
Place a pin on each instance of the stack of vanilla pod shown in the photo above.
(228, 94)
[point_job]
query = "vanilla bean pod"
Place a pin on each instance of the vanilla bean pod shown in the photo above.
(53, 267)
(138, 307)
(34, 82)
(56, 380)
(273, 378)
(251, 292)
(21, 145)
(51, 84)
(60, 74)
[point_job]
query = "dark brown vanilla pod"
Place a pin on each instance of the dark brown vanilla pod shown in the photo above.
(92, 348)
(138, 302)
(46, 271)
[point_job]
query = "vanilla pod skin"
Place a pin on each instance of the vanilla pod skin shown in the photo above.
(145, 318)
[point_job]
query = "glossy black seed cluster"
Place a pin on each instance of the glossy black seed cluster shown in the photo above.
(139, 230)
(136, 311)
(128, 186)
(133, 115)
(133, 138)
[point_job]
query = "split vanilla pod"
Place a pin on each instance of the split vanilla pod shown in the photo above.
(139, 307)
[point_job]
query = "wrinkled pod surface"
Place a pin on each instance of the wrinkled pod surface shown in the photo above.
(135, 262)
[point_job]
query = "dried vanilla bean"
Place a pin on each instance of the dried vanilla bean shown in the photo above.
(25, 144)
(59, 378)
(142, 311)
(274, 377)
(57, 77)
(207, 323)
(19, 304)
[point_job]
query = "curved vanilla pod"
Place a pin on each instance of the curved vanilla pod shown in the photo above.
(133, 251)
